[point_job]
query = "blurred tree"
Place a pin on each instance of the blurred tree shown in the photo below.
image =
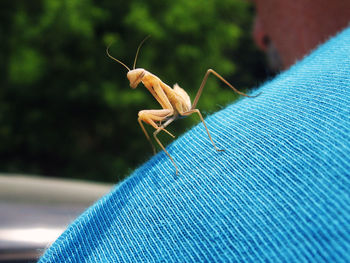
(66, 109)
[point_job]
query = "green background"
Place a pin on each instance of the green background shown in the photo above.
(66, 109)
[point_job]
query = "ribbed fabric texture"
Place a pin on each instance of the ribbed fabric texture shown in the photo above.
(279, 193)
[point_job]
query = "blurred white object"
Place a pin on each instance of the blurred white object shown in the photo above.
(34, 211)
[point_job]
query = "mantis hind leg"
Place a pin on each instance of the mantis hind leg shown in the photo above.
(204, 81)
(205, 126)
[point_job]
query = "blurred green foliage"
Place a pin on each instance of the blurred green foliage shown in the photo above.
(67, 110)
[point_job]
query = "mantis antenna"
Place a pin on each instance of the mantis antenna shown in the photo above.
(138, 49)
(107, 51)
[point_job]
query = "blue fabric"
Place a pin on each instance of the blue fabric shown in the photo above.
(279, 193)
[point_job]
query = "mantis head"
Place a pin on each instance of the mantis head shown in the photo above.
(135, 75)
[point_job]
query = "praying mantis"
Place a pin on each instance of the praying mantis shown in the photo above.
(175, 102)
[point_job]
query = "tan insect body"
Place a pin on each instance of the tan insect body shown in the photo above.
(175, 101)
